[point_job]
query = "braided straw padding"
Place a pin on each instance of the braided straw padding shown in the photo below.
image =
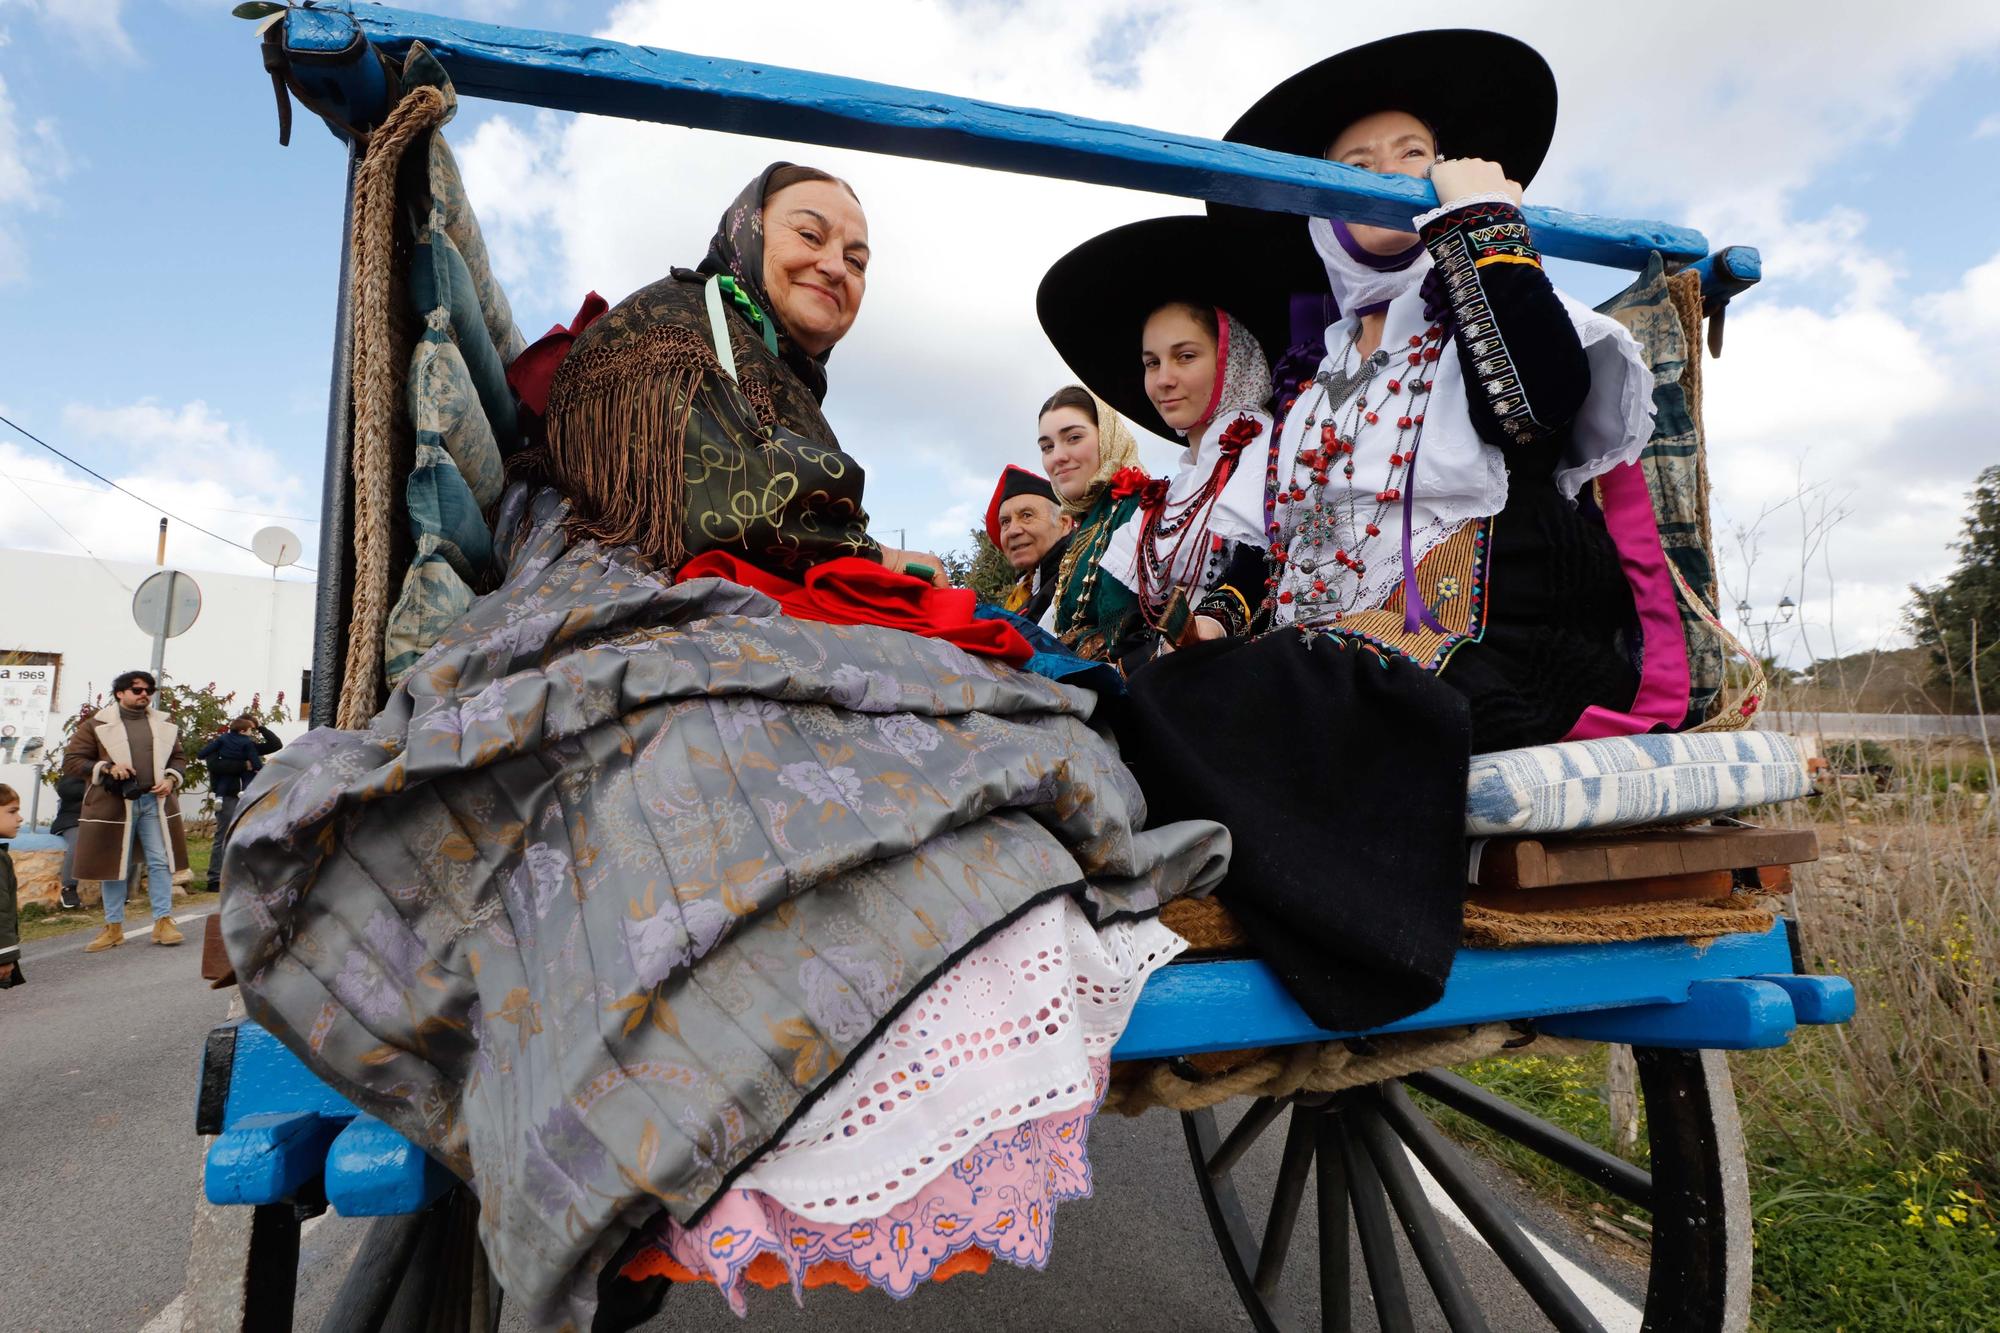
(1204, 923)
(378, 388)
(1737, 913)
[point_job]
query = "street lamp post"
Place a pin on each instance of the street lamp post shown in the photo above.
(1786, 608)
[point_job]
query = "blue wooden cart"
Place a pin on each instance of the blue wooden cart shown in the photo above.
(288, 1146)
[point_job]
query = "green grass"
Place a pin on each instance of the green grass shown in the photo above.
(1564, 1090)
(1850, 1234)
(40, 923)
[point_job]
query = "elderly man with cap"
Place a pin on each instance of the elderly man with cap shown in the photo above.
(1032, 531)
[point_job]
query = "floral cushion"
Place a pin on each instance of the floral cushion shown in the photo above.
(458, 392)
(461, 410)
(1628, 781)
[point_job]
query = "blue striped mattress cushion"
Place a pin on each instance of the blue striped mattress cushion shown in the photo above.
(1626, 781)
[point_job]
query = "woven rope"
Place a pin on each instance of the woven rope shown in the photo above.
(377, 388)
(1731, 714)
(1139, 1086)
(1684, 289)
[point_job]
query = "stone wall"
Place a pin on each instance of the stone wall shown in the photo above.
(39, 875)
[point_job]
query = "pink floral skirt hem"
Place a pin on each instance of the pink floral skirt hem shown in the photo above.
(1000, 1196)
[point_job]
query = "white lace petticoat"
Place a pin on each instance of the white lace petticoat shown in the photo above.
(1004, 1036)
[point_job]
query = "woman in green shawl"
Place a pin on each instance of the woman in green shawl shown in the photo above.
(1093, 462)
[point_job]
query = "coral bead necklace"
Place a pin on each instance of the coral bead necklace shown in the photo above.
(1167, 528)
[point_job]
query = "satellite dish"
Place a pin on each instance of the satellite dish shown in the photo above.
(277, 547)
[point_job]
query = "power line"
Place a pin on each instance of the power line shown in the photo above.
(216, 509)
(67, 533)
(85, 468)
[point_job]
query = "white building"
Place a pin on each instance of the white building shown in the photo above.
(253, 636)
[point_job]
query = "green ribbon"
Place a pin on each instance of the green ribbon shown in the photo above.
(743, 301)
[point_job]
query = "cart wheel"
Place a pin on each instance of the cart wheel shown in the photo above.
(1359, 1144)
(419, 1273)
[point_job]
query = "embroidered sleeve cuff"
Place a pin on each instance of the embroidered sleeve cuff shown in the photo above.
(1445, 210)
(1227, 606)
(1482, 231)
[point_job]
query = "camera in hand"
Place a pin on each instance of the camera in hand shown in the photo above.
(130, 789)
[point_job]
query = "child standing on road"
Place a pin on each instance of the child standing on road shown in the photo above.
(234, 758)
(10, 931)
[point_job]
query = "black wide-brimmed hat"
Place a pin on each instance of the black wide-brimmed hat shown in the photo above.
(1093, 302)
(1484, 94)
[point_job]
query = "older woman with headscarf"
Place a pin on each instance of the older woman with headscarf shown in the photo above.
(687, 420)
(669, 855)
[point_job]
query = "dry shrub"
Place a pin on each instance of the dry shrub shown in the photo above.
(1905, 902)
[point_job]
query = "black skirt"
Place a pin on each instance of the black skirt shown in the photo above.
(1340, 774)
(1559, 625)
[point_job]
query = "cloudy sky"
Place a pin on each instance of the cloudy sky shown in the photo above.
(167, 272)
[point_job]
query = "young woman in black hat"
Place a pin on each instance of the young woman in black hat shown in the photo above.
(1441, 589)
(1136, 313)
(1429, 496)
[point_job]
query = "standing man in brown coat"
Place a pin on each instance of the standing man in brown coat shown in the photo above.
(132, 758)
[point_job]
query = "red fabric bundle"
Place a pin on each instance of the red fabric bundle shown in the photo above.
(531, 373)
(853, 591)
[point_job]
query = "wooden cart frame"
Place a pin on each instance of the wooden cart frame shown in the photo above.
(288, 1146)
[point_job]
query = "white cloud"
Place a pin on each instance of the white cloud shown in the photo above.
(182, 460)
(95, 27)
(1874, 415)
(1987, 128)
(935, 389)
(31, 158)
(1970, 309)
(191, 439)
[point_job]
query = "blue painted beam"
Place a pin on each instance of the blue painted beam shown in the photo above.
(339, 78)
(265, 1076)
(373, 1171)
(1720, 1014)
(599, 77)
(1730, 271)
(1237, 1003)
(268, 1157)
(1816, 1000)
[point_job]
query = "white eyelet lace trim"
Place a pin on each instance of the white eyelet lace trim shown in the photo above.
(1005, 1036)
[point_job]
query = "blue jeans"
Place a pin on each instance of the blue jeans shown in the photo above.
(159, 868)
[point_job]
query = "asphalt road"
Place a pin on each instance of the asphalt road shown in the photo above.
(99, 1167)
(98, 1151)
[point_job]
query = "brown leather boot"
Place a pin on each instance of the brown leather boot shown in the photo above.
(165, 932)
(110, 937)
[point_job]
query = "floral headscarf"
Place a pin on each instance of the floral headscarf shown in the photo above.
(1116, 451)
(1244, 384)
(738, 250)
